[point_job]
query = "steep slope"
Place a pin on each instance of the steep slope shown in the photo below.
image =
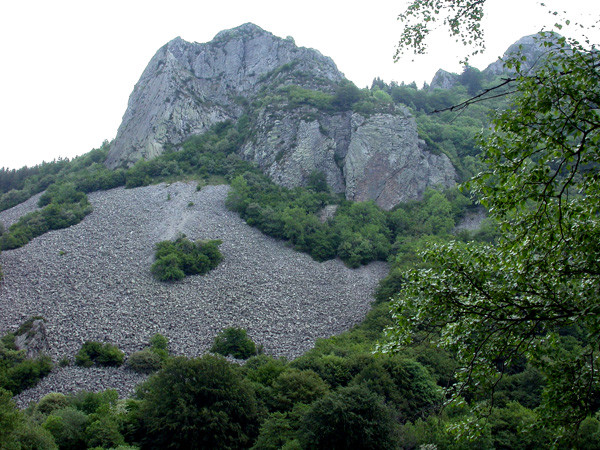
(92, 281)
(294, 127)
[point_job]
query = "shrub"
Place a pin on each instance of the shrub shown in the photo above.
(264, 369)
(26, 374)
(176, 259)
(144, 361)
(103, 433)
(33, 436)
(167, 268)
(94, 402)
(68, 427)
(234, 342)
(159, 345)
(93, 352)
(51, 402)
(62, 193)
(298, 386)
(159, 342)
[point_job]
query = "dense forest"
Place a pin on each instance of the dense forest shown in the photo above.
(343, 393)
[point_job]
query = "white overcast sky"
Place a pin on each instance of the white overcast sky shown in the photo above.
(68, 67)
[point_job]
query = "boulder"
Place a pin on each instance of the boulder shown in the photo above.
(33, 339)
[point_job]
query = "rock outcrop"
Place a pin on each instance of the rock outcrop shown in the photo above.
(34, 339)
(188, 87)
(388, 163)
(531, 47)
(379, 157)
(444, 80)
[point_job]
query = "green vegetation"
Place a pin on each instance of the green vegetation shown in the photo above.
(502, 320)
(59, 213)
(234, 342)
(521, 316)
(217, 409)
(17, 372)
(96, 353)
(351, 417)
(204, 158)
(176, 259)
(151, 358)
(358, 233)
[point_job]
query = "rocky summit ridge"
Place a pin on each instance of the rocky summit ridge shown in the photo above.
(244, 72)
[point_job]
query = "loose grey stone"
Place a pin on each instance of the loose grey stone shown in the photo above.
(92, 281)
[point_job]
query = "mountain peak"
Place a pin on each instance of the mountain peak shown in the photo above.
(187, 87)
(246, 29)
(531, 47)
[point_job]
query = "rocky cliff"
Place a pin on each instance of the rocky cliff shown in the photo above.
(187, 87)
(377, 157)
(530, 47)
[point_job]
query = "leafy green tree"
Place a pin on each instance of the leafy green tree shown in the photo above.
(472, 79)
(298, 386)
(103, 432)
(10, 420)
(493, 305)
(346, 95)
(197, 403)
(350, 417)
(234, 342)
(34, 436)
(276, 431)
(463, 20)
(68, 427)
(404, 384)
(51, 402)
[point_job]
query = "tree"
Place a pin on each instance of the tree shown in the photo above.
(346, 95)
(197, 403)
(462, 18)
(351, 417)
(234, 342)
(471, 78)
(521, 298)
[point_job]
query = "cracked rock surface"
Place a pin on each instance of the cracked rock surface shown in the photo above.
(92, 281)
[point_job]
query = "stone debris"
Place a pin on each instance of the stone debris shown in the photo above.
(92, 281)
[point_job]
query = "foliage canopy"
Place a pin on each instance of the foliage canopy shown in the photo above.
(538, 287)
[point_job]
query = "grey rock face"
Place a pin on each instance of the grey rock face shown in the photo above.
(34, 341)
(443, 80)
(378, 158)
(290, 145)
(388, 163)
(531, 47)
(187, 87)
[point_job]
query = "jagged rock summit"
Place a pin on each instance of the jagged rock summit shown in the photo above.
(530, 47)
(248, 72)
(187, 87)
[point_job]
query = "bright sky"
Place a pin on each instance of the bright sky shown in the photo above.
(68, 67)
